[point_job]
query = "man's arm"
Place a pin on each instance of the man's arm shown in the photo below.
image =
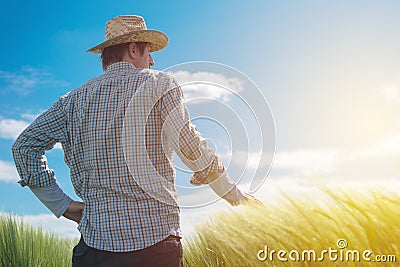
(224, 187)
(193, 149)
(58, 202)
(29, 148)
(28, 152)
(53, 198)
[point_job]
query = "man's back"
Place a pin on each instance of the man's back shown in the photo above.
(117, 208)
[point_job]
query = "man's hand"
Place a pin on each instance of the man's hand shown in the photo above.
(250, 199)
(244, 199)
(224, 187)
(74, 211)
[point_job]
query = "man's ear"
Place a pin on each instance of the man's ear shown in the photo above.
(132, 50)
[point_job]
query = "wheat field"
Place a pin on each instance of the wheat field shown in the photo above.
(340, 227)
(362, 226)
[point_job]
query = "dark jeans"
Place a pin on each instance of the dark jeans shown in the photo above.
(167, 252)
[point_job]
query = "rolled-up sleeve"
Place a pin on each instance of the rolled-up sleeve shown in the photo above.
(187, 142)
(30, 146)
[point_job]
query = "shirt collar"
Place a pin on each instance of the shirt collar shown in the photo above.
(118, 66)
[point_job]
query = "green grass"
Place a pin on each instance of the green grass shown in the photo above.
(24, 245)
(366, 219)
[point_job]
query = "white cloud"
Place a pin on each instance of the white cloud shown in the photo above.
(61, 226)
(378, 160)
(306, 162)
(201, 92)
(207, 85)
(11, 128)
(29, 78)
(253, 159)
(58, 146)
(8, 172)
(29, 116)
(387, 146)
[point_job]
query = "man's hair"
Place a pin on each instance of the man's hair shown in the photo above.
(115, 53)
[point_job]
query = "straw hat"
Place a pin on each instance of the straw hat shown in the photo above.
(127, 29)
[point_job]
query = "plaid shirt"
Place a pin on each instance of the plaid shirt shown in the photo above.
(129, 203)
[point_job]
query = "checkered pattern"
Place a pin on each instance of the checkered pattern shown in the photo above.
(97, 128)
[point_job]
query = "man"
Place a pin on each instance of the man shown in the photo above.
(120, 161)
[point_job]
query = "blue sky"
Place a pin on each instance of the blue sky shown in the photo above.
(330, 71)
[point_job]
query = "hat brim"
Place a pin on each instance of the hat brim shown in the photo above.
(158, 40)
